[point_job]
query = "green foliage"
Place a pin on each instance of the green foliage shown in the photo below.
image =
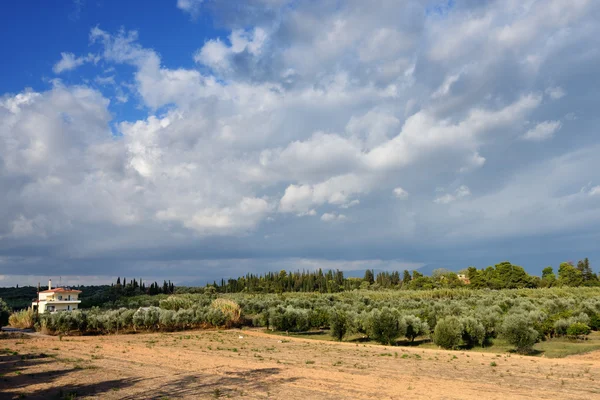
(448, 332)
(385, 326)
(578, 329)
(339, 323)
(4, 313)
(517, 330)
(568, 275)
(415, 327)
(473, 332)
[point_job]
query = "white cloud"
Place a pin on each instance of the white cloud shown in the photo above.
(192, 7)
(400, 193)
(542, 131)
(308, 109)
(594, 191)
(555, 93)
(333, 217)
(69, 61)
(462, 192)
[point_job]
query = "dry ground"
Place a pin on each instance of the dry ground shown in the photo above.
(211, 364)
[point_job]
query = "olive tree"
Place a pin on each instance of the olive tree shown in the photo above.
(517, 330)
(448, 332)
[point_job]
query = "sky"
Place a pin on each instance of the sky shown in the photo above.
(197, 139)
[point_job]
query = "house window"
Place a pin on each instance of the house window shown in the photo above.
(60, 297)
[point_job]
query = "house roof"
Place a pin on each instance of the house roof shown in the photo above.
(61, 290)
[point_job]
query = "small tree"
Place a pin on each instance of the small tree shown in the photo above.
(339, 323)
(473, 332)
(415, 327)
(518, 331)
(577, 330)
(384, 326)
(448, 332)
(4, 313)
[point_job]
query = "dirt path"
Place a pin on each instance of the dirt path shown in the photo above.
(250, 364)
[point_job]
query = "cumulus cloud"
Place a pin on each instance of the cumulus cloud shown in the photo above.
(69, 62)
(461, 192)
(400, 193)
(306, 110)
(332, 217)
(542, 131)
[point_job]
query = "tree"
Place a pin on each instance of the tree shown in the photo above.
(518, 331)
(4, 313)
(339, 323)
(384, 326)
(568, 275)
(415, 327)
(369, 277)
(448, 332)
(586, 271)
(406, 277)
(473, 332)
(548, 277)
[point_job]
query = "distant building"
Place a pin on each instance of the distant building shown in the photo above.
(464, 279)
(58, 299)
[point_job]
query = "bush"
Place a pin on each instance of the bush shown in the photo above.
(4, 313)
(578, 329)
(339, 323)
(385, 327)
(23, 319)
(518, 331)
(448, 332)
(415, 327)
(230, 309)
(473, 332)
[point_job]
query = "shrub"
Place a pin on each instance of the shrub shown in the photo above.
(176, 302)
(230, 309)
(415, 327)
(473, 332)
(385, 327)
(339, 323)
(518, 331)
(4, 313)
(23, 319)
(578, 329)
(448, 332)
(561, 326)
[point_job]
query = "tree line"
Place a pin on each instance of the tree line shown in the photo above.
(500, 276)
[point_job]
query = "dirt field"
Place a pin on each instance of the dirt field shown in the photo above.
(251, 364)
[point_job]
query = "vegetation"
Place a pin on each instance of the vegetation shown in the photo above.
(501, 303)
(4, 313)
(448, 332)
(23, 319)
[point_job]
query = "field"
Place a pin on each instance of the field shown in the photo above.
(252, 364)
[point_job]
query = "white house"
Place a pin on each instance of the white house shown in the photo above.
(58, 299)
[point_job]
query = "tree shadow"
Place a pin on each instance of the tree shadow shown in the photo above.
(14, 376)
(235, 383)
(532, 352)
(414, 343)
(74, 391)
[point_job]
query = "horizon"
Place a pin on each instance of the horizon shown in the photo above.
(200, 140)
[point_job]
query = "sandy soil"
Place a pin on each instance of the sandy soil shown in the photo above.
(252, 364)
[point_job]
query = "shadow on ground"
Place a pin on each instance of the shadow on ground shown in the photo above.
(16, 379)
(234, 384)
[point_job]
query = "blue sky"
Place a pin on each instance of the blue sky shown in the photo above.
(195, 139)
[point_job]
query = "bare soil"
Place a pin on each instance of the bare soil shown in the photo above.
(253, 364)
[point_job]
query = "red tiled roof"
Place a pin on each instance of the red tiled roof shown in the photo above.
(61, 290)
